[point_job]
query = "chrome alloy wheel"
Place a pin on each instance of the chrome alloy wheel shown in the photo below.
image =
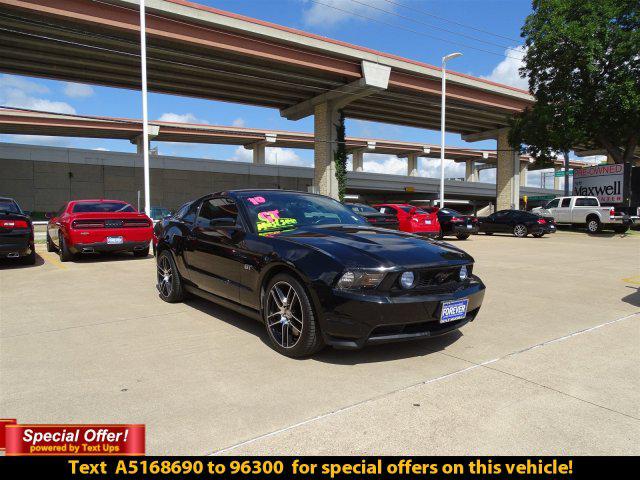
(284, 315)
(593, 226)
(165, 276)
(520, 231)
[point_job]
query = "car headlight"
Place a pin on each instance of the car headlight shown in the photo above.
(407, 280)
(354, 279)
(463, 273)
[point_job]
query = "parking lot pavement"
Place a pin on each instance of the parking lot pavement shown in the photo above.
(549, 366)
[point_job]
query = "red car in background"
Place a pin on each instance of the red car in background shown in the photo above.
(88, 226)
(412, 219)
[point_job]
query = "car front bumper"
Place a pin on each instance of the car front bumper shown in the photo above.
(352, 320)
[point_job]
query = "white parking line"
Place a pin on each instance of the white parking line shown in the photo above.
(426, 382)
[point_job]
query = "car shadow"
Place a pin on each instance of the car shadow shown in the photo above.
(107, 257)
(371, 354)
(14, 263)
(633, 298)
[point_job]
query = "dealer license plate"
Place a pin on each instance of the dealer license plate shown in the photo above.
(469, 227)
(454, 310)
(114, 240)
(427, 222)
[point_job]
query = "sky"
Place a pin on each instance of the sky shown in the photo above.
(487, 32)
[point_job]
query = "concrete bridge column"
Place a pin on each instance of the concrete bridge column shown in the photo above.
(556, 180)
(325, 119)
(412, 164)
(471, 173)
(357, 163)
(259, 154)
(524, 168)
(507, 174)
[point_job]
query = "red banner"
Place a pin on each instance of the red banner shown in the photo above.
(74, 440)
(3, 423)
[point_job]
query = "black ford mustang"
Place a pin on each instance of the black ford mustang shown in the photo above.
(313, 271)
(517, 222)
(16, 232)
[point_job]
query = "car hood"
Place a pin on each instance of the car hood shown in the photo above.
(368, 247)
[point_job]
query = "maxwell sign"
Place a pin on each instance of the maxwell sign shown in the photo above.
(602, 181)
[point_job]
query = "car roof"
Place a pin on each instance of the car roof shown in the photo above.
(8, 199)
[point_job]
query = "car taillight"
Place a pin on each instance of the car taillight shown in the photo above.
(542, 221)
(612, 212)
(474, 220)
(456, 219)
(372, 220)
(13, 224)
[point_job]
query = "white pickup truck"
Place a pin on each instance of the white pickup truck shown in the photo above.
(585, 211)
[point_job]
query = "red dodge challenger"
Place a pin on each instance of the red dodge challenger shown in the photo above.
(413, 219)
(87, 226)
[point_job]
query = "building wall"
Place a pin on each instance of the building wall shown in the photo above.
(44, 178)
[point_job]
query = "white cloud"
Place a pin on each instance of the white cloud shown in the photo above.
(78, 90)
(37, 140)
(181, 118)
(506, 72)
(27, 86)
(274, 156)
(338, 11)
(390, 164)
(19, 93)
(238, 122)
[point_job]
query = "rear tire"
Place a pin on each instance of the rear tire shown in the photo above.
(50, 247)
(520, 230)
(462, 236)
(63, 251)
(440, 234)
(29, 259)
(593, 225)
(298, 335)
(141, 253)
(169, 284)
(538, 235)
(488, 233)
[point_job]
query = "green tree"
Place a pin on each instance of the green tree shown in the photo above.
(340, 157)
(583, 63)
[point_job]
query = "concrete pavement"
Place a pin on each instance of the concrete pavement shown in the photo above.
(549, 366)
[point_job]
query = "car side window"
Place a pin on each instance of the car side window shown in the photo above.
(553, 203)
(566, 202)
(586, 202)
(217, 211)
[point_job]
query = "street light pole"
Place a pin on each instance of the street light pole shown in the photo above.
(145, 118)
(442, 122)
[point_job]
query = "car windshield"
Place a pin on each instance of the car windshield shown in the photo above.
(9, 206)
(159, 212)
(102, 207)
(408, 208)
(274, 211)
(362, 208)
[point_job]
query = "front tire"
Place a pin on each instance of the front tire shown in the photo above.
(538, 235)
(462, 236)
(520, 230)
(289, 318)
(169, 283)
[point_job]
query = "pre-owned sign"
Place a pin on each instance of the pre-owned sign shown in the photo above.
(602, 181)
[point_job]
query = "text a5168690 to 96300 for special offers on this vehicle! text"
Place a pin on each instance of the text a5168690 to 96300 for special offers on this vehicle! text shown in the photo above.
(312, 271)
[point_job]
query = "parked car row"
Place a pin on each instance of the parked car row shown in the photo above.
(441, 222)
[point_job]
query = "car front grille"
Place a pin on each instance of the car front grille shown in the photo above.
(441, 280)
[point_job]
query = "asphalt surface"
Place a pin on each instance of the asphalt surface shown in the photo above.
(550, 366)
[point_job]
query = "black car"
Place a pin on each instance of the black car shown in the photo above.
(16, 232)
(455, 223)
(314, 272)
(517, 222)
(373, 216)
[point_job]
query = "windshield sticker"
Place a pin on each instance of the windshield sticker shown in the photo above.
(256, 200)
(276, 225)
(269, 216)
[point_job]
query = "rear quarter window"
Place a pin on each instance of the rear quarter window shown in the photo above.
(586, 202)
